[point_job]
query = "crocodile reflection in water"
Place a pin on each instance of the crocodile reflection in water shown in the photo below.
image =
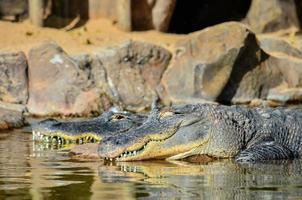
(224, 179)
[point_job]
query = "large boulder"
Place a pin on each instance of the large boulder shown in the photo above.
(11, 116)
(133, 71)
(225, 63)
(13, 78)
(272, 15)
(58, 85)
(210, 64)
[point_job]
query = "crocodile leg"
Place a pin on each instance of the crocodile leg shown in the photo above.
(264, 151)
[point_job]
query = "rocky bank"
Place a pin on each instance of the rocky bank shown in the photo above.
(244, 62)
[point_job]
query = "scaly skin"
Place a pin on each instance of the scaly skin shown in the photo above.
(85, 131)
(249, 135)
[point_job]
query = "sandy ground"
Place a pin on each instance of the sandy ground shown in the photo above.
(86, 39)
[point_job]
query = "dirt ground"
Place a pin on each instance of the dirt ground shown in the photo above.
(86, 39)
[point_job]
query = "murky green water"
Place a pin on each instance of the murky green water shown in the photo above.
(28, 173)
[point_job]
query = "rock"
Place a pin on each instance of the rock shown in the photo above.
(277, 46)
(224, 63)
(133, 71)
(13, 9)
(152, 14)
(161, 14)
(287, 60)
(13, 78)
(253, 83)
(97, 74)
(276, 79)
(210, 64)
(58, 85)
(285, 95)
(272, 15)
(290, 88)
(11, 116)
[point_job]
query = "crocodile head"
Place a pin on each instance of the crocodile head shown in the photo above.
(179, 133)
(164, 134)
(85, 131)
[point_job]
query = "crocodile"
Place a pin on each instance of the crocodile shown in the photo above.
(245, 134)
(85, 131)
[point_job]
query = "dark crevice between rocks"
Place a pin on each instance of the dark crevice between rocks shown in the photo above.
(27, 82)
(299, 11)
(246, 62)
(64, 12)
(141, 15)
(190, 16)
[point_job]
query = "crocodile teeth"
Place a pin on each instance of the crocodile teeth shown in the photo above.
(45, 139)
(132, 153)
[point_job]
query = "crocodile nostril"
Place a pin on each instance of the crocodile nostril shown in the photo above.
(120, 117)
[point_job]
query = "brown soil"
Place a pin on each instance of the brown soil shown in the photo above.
(93, 35)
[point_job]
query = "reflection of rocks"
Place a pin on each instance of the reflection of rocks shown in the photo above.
(133, 72)
(11, 116)
(207, 61)
(58, 85)
(13, 78)
(272, 15)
